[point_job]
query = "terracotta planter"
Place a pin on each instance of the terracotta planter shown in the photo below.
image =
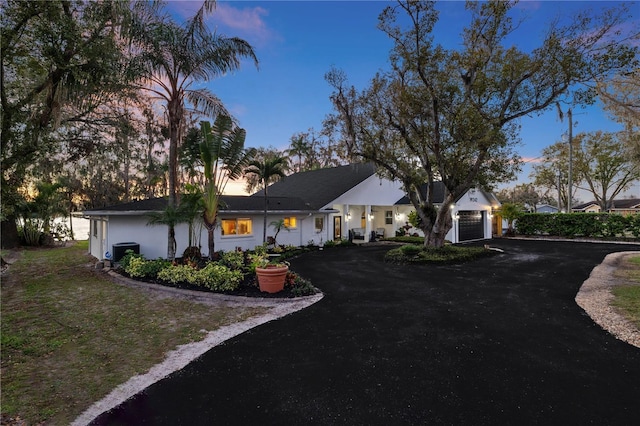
(271, 279)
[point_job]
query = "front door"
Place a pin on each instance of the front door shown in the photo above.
(337, 228)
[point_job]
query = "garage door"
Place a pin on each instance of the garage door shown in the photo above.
(471, 225)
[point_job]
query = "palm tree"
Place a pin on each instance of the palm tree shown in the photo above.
(299, 147)
(267, 171)
(171, 216)
(176, 56)
(224, 158)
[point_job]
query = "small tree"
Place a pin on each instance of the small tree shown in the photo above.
(171, 216)
(266, 171)
(224, 158)
(278, 225)
(510, 212)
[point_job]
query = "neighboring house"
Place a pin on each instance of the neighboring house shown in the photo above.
(624, 207)
(319, 205)
(590, 207)
(546, 208)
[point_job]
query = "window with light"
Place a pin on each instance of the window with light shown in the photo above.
(240, 226)
(290, 222)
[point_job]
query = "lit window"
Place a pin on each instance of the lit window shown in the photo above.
(236, 227)
(290, 222)
(388, 217)
(319, 224)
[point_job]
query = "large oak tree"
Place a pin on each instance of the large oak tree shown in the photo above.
(452, 115)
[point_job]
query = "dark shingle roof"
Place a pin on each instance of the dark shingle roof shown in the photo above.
(629, 203)
(320, 187)
(231, 204)
(438, 194)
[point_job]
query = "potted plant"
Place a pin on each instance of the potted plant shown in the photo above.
(271, 274)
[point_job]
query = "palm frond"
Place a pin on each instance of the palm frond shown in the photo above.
(206, 103)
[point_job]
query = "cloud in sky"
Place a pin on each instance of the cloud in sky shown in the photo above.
(244, 22)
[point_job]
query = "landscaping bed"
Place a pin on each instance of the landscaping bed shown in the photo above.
(232, 273)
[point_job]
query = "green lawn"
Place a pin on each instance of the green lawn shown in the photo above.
(69, 335)
(627, 297)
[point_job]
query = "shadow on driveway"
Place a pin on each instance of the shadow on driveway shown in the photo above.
(495, 341)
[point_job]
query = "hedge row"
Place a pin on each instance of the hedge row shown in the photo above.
(579, 225)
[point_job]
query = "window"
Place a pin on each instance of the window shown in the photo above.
(388, 217)
(95, 228)
(290, 222)
(236, 227)
(319, 224)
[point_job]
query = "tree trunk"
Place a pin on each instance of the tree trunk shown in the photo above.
(171, 246)
(211, 244)
(175, 121)
(9, 232)
(435, 236)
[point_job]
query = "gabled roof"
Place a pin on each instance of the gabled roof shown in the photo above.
(629, 203)
(319, 187)
(585, 206)
(231, 204)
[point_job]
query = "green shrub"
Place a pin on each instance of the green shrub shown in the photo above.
(178, 274)
(345, 243)
(299, 286)
(214, 276)
(218, 277)
(444, 254)
(578, 225)
(410, 249)
(329, 243)
(232, 259)
(138, 267)
(408, 240)
(126, 259)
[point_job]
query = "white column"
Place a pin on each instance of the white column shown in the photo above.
(346, 218)
(367, 222)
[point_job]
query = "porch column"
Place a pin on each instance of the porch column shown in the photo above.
(367, 222)
(346, 216)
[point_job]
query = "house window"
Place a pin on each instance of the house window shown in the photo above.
(388, 217)
(319, 224)
(95, 228)
(290, 222)
(239, 226)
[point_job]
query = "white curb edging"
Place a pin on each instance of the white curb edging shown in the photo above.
(184, 354)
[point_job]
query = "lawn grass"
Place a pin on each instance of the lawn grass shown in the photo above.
(69, 335)
(627, 297)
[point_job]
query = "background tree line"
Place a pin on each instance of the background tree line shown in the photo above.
(101, 99)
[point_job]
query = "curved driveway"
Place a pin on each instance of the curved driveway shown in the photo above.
(495, 341)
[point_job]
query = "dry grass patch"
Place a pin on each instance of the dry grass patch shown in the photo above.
(627, 296)
(70, 335)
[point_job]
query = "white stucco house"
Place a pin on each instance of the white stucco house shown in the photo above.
(320, 205)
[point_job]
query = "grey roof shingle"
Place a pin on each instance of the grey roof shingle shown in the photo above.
(231, 204)
(319, 187)
(438, 194)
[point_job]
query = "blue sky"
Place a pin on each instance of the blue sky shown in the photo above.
(297, 42)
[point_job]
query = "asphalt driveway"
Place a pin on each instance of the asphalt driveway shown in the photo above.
(495, 341)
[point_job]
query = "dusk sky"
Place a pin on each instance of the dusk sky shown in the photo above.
(297, 42)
